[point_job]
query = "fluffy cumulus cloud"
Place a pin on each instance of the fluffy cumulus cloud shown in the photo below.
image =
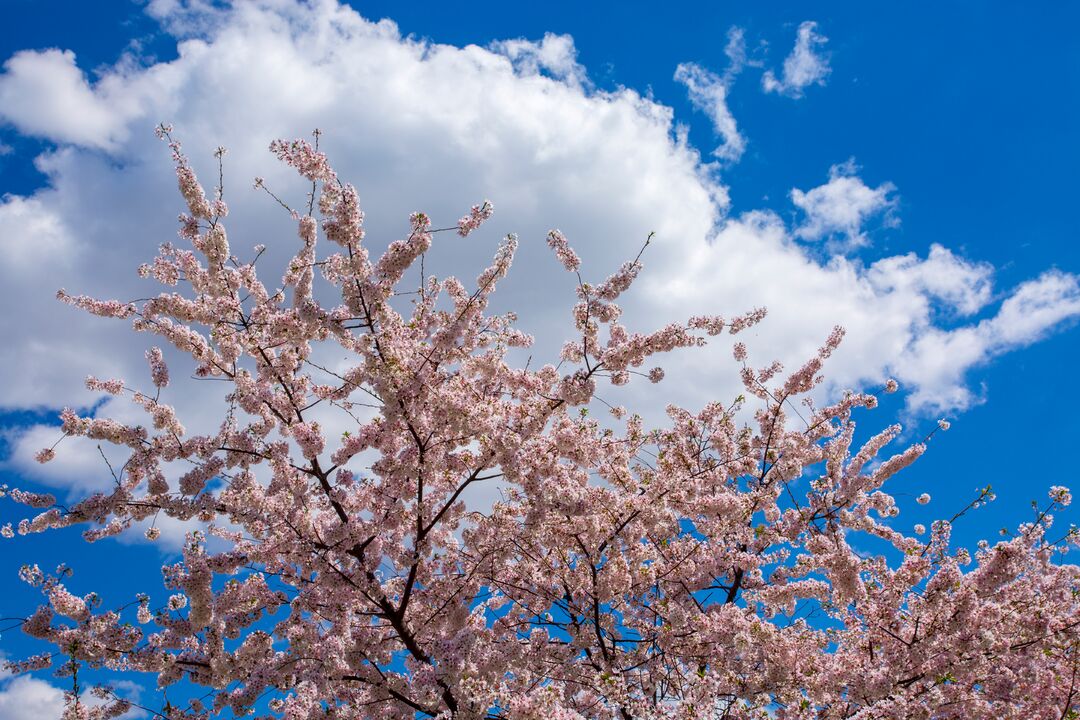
(28, 698)
(907, 316)
(806, 65)
(416, 124)
(554, 54)
(961, 286)
(840, 208)
(45, 94)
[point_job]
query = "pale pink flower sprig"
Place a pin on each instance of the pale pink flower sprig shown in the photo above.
(307, 161)
(102, 308)
(1061, 495)
(566, 255)
(159, 371)
(476, 217)
(342, 567)
(35, 662)
(112, 387)
(193, 193)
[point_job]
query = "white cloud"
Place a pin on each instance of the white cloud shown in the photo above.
(185, 18)
(840, 208)
(27, 698)
(737, 55)
(45, 94)
(937, 360)
(417, 125)
(805, 66)
(42, 254)
(708, 93)
(554, 54)
(961, 286)
(891, 310)
(78, 465)
(29, 233)
(1035, 306)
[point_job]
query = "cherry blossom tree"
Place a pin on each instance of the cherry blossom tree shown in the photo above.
(706, 568)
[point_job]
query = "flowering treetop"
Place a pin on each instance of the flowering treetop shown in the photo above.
(702, 569)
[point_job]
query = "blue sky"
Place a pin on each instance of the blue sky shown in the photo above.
(948, 125)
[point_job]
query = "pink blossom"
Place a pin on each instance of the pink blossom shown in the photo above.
(159, 372)
(477, 215)
(566, 255)
(300, 155)
(113, 387)
(68, 605)
(337, 561)
(1061, 495)
(103, 308)
(309, 437)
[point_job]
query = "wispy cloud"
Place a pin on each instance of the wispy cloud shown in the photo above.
(937, 360)
(805, 66)
(708, 93)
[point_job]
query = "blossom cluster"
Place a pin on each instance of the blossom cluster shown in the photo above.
(477, 215)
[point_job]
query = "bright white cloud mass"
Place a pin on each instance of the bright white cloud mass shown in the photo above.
(27, 698)
(842, 206)
(418, 125)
